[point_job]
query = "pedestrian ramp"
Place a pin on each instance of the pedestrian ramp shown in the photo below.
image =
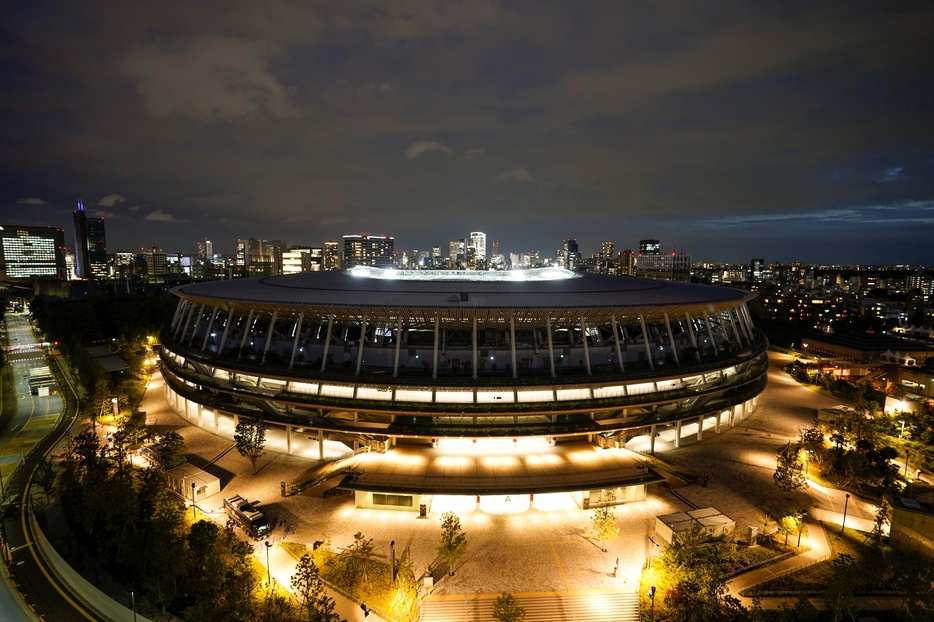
(583, 607)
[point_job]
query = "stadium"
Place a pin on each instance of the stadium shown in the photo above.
(534, 387)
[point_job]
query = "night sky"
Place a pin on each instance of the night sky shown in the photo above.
(731, 130)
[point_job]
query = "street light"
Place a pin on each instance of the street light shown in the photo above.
(193, 515)
(133, 601)
(268, 568)
(902, 433)
(392, 555)
(907, 456)
(652, 597)
(804, 515)
(845, 504)
(652, 550)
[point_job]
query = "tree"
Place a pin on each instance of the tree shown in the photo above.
(306, 584)
(507, 609)
(604, 520)
(250, 439)
(45, 476)
(839, 593)
(172, 450)
(453, 545)
(362, 550)
(789, 472)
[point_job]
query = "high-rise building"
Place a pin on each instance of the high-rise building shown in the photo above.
(206, 250)
(363, 249)
(90, 245)
(607, 263)
(302, 259)
(156, 261)
(458, 250)
(667, 267)
(755, 270)
(27, 252)
(435, 256)
(332, 256)
(570, 258)
(495, 247)
(626, 265)
(478, 244)
(649, 247)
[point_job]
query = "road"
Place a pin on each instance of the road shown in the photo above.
(32, 425)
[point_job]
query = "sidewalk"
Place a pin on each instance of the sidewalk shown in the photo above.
(820, 551)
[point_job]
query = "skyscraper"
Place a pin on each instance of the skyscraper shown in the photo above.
(332, 256)
(649, 247)
(90, 245)
(478, 243)
(755, 270)
(571, 256)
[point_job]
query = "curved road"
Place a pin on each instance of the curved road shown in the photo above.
(31, 426)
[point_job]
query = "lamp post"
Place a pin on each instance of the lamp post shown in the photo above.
(902, 433)
(268, 568)
(652, 598)
(133, 602)
(193, 487)
(801, 525)
(652, 550)
(392, 556)
(845, 504)
(907, 456)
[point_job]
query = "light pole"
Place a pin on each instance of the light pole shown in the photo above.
(652, 598)
(133, 601)
(268, 568)
(902, 433)
(845, 504)
(392, 555)
(907, 456)
(193, 487)
(652, 552)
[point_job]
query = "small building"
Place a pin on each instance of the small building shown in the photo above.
(912, 525)
(711, 520)
(182, 480)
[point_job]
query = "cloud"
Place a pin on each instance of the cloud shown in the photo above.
(31, 201)
(518, 174)
(110, 200)
(418, 148)
(135, 208)
(411, 19)
(99, 213)
(209, 75)
(473, 154)
(161, 216)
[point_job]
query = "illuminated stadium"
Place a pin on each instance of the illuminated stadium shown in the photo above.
(522, 385)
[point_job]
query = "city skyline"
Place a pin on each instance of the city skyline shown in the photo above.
(798, 133)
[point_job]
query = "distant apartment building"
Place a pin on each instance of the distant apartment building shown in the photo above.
(667, 267)
(302, 259)
(28, 252)
(332, 256)
(364, 249)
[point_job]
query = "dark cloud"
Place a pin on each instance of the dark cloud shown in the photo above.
(794, 131)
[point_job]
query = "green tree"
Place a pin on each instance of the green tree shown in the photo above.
(839, 593)
(453, 545)
(250, 439)
(360, 551)
(789, 471)
(506, 608)
(306, 584)
(172, 450)
(44, 476)
(603, 521)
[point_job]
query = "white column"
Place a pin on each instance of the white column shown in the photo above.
(716, 427)
(586, 348)
(691, 334)
(217, 424)
(188, 307)
(747, 321)
(395, 364)
(220, 348)
(512, 343)
(194, 328)
(272, 327)
(473, 339)
(298, 333)
(327, 343)
(619, 352)
(187, 322)
(321, 442)
(678, 434)
(360, 349)
(178, 311)
(434, 364)
(551, 345)
(713, 343)
(652, 433)
(739, 336)
(207, 335)
(246, 333)
(288, 439)
(645, 340)
(700, 428)
(671, 341)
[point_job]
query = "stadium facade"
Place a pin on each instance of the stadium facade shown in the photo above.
(476, 384)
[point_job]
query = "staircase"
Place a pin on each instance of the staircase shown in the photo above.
(594, 607)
